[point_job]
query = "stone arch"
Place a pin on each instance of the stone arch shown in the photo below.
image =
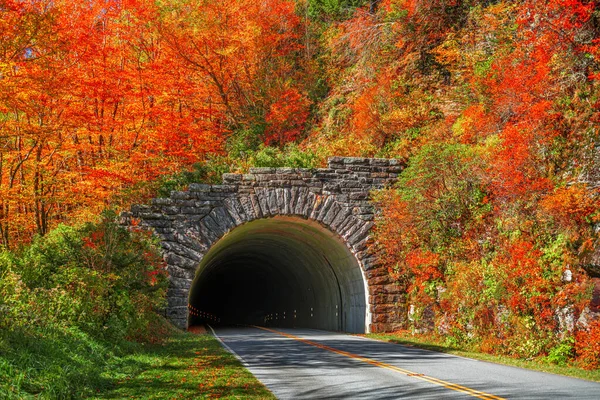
(191, 222)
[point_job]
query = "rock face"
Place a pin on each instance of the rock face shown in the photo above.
(590, 175)
(188, 223)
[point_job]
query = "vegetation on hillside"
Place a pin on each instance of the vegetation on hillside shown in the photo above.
(71, 302)
(493, 105)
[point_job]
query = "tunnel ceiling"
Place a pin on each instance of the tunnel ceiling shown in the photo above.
(282, 271)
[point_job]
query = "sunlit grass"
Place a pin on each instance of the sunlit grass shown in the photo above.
(53, 363)
(187, 366)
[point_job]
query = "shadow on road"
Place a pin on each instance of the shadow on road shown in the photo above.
(294, 369)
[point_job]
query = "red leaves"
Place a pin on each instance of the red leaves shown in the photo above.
(515, 170)
(103, 95)
(423, 266)
(524, 278)
(587, 345)
(287, 117)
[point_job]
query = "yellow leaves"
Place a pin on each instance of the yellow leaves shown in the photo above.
(570, 204)
(449, 52)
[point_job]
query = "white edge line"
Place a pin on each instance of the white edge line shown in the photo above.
(229, 349)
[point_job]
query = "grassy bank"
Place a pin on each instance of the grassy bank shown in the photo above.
(70, 365)
(437, 344)
(186, 366)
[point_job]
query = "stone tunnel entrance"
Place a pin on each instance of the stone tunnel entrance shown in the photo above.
(278, 246)
(281, 271)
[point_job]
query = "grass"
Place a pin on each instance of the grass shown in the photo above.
(66, 363)
(186, 366)
(435, 344)
(54, 363)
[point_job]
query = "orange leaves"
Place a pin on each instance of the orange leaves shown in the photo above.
(523, 279)
(102, 95)
(423, 265)
(587, 346)
(243, 53)
(571, 205)
(87, 111)
(366, 117)
(287, 117)
(472, 123)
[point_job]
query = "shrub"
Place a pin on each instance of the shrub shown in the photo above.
(562, 352)
(71, 302)
(100, 277)
(587, 346)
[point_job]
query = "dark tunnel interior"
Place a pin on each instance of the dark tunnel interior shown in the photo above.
(281, 271)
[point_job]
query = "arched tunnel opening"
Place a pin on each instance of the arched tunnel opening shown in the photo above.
(281, 271)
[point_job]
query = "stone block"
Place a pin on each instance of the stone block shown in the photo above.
(262, 170)
(272, 202)
(379, 162)
(355, 161)
(180, 283)
(173, 301)
(380, 280)
(263, 200)
(332, 213)
(178, 261)
(198, 187)
(162, 201)
(236, 210)
(223, 188)
(177, 313)
(232, 178)
(285, 170)
(256, 206)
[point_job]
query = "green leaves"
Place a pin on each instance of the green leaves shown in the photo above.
(100, 277)
(443, 188)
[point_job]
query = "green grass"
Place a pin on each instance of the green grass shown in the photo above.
(187, 366)
(66, 363)
(55, 363)
(539, 364)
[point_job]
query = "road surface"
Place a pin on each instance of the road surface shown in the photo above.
(312, 364)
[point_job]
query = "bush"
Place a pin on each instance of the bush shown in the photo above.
(99, 277)
(70, 300)
(291, 156)
(562, 352)
(587, 346)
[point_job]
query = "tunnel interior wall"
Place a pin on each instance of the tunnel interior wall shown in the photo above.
(282, 271)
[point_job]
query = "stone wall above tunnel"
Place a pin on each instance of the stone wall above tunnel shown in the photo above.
(190, 222)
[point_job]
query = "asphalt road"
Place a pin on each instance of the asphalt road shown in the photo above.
(312, 364)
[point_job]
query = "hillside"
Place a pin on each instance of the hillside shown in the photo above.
(493, 229)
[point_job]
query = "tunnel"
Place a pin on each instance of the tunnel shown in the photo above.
(280, 272)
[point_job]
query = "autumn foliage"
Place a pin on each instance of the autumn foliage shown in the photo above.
(499, 200)
(100, 96)
(493, 105)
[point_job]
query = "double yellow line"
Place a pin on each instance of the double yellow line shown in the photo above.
(430, 379)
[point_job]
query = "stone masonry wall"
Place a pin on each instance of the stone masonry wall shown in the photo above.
(190, 222)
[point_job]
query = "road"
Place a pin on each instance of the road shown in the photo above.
(312, 364)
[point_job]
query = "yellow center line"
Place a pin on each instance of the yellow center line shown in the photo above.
(448, 385)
